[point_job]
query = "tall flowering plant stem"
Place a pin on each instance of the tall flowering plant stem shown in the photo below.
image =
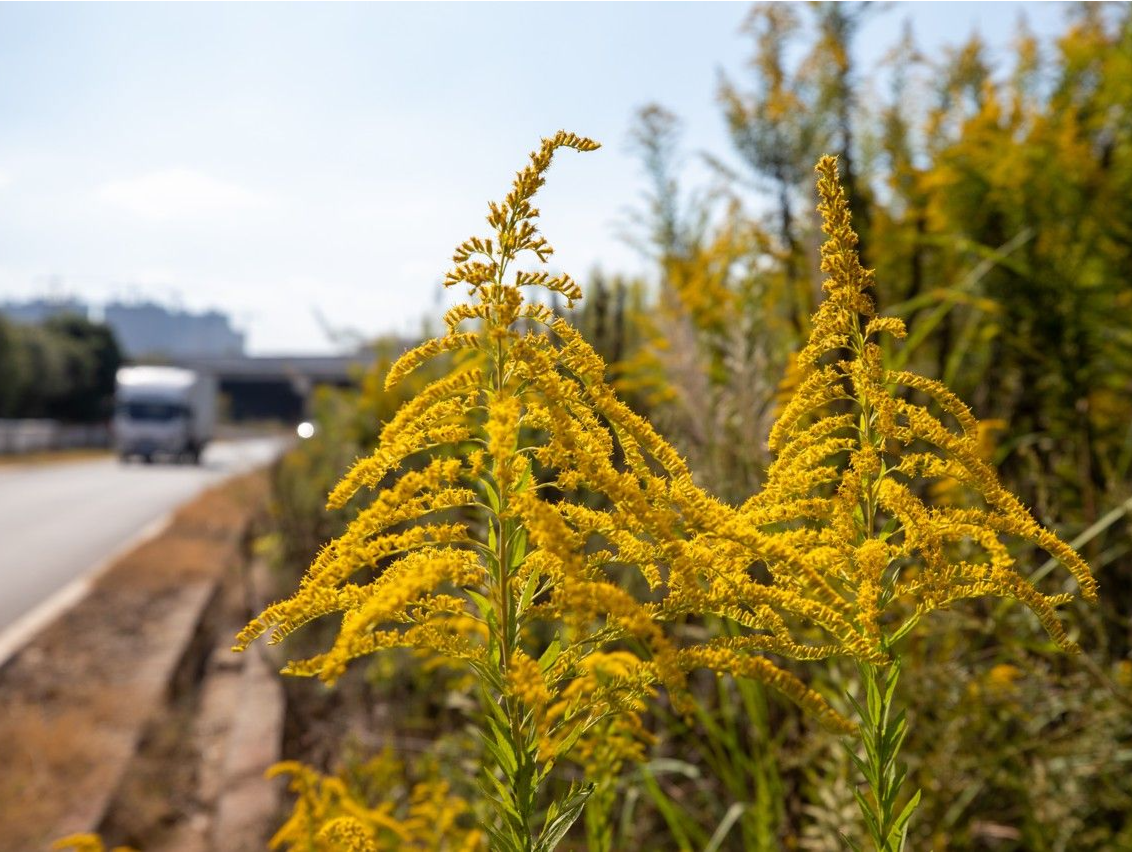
(893, 556)
(853, 552)
(881, 732)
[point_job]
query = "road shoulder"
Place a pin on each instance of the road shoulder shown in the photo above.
(78, 701)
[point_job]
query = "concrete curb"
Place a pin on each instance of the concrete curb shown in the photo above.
(248, 803)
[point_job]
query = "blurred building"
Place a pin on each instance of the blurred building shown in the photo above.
(35, 311)
(146, 329)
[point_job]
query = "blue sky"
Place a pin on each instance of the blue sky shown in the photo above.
(274, 160)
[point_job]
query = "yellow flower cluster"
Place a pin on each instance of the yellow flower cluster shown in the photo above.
(523, 398)
(527, 523)
(851, 546)
(526, 682)
(348, 835)
(331, 813)
(460, 553)
(611, 687)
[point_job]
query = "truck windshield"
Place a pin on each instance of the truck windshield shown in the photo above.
(151, 411)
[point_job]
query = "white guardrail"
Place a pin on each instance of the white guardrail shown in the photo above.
(33, 436)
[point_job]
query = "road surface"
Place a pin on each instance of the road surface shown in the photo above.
(59, 522)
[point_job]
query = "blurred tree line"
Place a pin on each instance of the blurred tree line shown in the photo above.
(62, 369)
(994, 199)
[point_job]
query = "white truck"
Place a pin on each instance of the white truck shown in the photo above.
(163, 411)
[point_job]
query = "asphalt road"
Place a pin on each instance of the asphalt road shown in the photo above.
(61, 521)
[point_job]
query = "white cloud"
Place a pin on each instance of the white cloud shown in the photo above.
(5, 178)
(179, 193)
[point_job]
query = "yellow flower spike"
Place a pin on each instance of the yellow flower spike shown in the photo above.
(872, 560)
(412, 359)
(939, 393)
(347, 835)
(725, 660)
(847, 551)
(849, 545)
(886, 325)
(502, 428)
(818, 390)
(866, 444)
(458, 555)
(525, 682)
(333, 813)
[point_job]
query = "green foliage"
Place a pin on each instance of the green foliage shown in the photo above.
(62, 369)
(882, 735)
(1013, 747)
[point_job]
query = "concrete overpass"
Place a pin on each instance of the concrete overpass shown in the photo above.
(277, 387)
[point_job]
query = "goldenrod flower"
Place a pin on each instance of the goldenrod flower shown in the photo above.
(332, 813)
(852, 554)
(459, 554)
(853, 537)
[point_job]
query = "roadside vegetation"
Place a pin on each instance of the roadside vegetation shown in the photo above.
(61, 369)
(993, 206)
(531, 530)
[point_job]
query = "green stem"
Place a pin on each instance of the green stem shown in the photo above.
(598, 815)
(514, 794)
(882, 732)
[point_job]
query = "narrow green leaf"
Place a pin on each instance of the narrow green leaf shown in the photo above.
(482, 603)
(557, 826)
(865, 769)
(505, 800)
(873, 700)
(906, 814)
(571, 738)
(866, 723)
(890, 526)
(494, 714)
(671, 766)
(904, 630)
(553, 650)
(492, 496)
(502, 752)
(528, 591)
(867, 812)
(518, 548)
(679, 824)
(524, 480)
(893, 677)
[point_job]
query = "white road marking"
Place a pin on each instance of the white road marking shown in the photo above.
(17, 634)
(57, 517)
